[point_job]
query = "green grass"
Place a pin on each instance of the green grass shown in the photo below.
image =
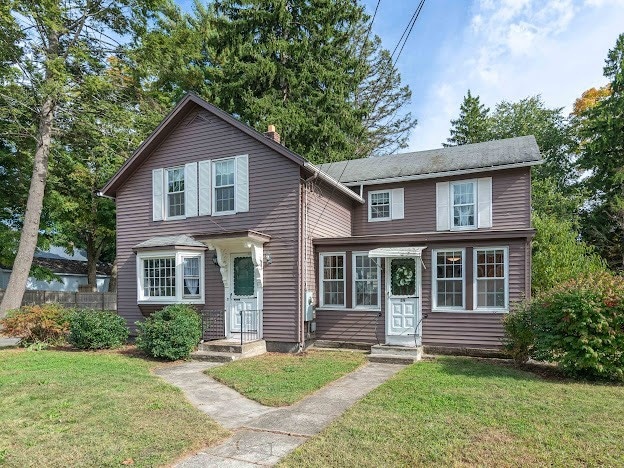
(277, 379)
(463, 412)
(93, 409)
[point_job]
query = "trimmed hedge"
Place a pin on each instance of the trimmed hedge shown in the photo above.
(91, 329)
(578, 324)
(171, 333)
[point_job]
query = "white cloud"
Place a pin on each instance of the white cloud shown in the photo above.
(516, 48)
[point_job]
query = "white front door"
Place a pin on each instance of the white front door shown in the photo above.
(403, 304)
(244, 303)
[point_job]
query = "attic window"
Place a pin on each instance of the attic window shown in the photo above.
(175, 192)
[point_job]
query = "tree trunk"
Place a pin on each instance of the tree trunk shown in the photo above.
(30, 231)
(28, 239)
(112, 284)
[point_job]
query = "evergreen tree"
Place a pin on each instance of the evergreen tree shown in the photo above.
(472, 125)
(601, 134)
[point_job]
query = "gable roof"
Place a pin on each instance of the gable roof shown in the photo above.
(187, 103)
(476, 157)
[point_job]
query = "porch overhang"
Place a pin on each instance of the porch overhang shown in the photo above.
(401, 252)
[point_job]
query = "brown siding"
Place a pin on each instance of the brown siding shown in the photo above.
(274, 210)
(328, 214)
(511, 192)
(454, 329)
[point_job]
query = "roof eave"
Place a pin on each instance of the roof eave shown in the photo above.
(331, 181)
(437, 175)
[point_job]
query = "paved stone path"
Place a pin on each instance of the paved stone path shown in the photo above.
(8, 342)
(263, 435)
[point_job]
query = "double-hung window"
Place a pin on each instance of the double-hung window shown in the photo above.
(464, 200)
(333, 280)
(449, 277)
(170, 277)
(175, 192)
(224, 186)
(366, 281)
(491, 278)
(379, 206)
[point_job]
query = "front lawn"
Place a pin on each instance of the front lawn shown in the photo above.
(93, 409)
(465, 412)
(279, 379)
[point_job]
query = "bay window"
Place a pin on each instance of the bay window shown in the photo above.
(170, 277)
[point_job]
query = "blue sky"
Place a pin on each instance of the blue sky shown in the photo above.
(499, 49)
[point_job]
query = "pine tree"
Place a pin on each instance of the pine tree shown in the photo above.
(472, 125)
(601, 134)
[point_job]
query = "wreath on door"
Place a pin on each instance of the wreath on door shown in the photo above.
(403, 276)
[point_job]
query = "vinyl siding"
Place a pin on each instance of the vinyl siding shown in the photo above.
(454, 329)
(273, 210)
(511, 196)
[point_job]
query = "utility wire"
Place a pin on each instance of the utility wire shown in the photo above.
(416, 15)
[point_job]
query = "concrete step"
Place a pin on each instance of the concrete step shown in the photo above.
(392, 359)
(252, 348)
(214, 356)
(393, 350)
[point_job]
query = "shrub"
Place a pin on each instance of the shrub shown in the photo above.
(45, 324)
(90, 329)
(519, 338)
(171, 333)
(578, 324)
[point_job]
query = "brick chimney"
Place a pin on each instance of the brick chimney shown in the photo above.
(272, 134)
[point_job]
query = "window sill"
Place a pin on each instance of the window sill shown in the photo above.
(375, 220)
(223, 213)
(170, 301)
(347, 309)
(467, 311)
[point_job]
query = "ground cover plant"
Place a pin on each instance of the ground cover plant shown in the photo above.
(64, 408)
(279, 379)
(464, 412)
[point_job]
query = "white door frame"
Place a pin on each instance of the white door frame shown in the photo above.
(404, 339)
(230, 299)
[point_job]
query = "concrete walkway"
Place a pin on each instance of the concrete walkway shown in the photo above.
(6, 343)
(263, 435)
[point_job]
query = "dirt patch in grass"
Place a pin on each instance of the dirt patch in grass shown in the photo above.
(63, 408)
(278, 379)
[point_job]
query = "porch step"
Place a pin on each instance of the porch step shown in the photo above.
(395, 354)
(351, 345)
(392, 359)
(227, 350)
(214, 356)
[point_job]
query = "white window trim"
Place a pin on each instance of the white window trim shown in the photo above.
(475, 250)
(166, 194)
(179, 256)
(353, 279)
(321, 280)
(434, 281)
(214, 187)
(387, 218)
(452, 205)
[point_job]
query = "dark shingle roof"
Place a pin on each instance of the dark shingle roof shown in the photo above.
(169, 241)
(487, 155)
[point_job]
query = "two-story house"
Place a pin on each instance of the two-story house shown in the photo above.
(418, 248)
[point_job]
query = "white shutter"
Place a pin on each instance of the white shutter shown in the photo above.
(242, 184)
(484, 202)
(396, 197)
(190, 189)
(157, 194)
(205, 189)
(443, 216)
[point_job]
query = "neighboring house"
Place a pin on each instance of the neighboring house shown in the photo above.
(70, 270)
(428, 247)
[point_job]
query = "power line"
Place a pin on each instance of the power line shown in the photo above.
(417, 14)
